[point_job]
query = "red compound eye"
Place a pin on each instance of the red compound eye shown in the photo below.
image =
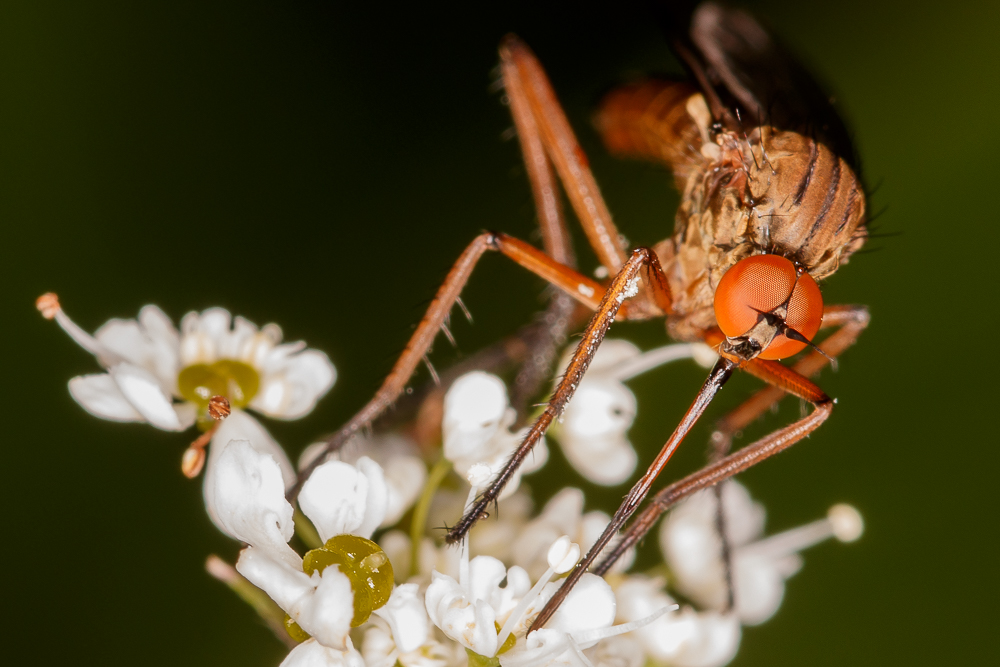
(760, 284)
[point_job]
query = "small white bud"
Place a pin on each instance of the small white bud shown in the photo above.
(479, 474)
(563, 555)
(846, 522)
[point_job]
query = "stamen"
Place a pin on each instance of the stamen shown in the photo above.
(48, 305)
(479, 475)
(584, 660)
(193, 459)
(846, 522)
(651, 359)
(586, 636)
(842, 521)
(562, 556)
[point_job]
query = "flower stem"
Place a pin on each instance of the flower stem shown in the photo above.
(304, 529)
(270, 613)
(419, 521)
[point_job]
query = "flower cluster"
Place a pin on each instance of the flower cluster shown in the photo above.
(376, 586)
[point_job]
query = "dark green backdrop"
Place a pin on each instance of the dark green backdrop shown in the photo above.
(321, 167)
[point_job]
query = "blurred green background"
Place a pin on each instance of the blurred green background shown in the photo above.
(320, 166)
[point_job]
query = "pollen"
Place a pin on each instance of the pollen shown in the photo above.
(48, 305)
(219, 408)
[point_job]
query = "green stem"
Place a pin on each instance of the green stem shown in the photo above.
(270, 613)
(419, 521)
(305, 530)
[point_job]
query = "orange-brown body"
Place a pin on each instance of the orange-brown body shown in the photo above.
(743, 194)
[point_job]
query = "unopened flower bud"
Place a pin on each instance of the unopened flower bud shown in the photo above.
(48, 305)
(479, 474)
(219, 408)
(563, 555)
(193, 461)
(845, 522)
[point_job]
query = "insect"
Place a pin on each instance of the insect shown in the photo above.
(771, 204)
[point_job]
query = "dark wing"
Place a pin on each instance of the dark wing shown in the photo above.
(750, 79)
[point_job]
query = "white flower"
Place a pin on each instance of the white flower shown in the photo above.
(248, 494)
(469, 612)
(482, 616)
(684, 638)
(158, 375)
(562, 515)
(405, 472)
(476, 423)
(593, 428)
(404, 635)
(692, 548)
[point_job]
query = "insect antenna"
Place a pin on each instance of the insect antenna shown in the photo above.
(789, 332)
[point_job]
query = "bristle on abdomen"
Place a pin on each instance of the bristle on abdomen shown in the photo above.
(650, 120)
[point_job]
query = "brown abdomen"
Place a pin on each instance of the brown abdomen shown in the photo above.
(651, 120)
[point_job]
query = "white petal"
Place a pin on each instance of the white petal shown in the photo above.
(759, 587)
(407, 617)
(202, 335)
(474, 408)
(691, 546)
(607, 461)
(240, 425)
(542, 648)
(687, 638)
(291, 384)
(611, 353)
(473, 625)
(592, 432)
(327, 614)
(144, 392)
(247, 496)
(485, 575)
(712, 639)
(322, 604)
(283, 581)
(377, 500)
(600, 407)
(151, 343)
(590, 605)
(313, 654)
(340, 498)
(101, 397)
(377, 646)
(621, 651)
(405, 477)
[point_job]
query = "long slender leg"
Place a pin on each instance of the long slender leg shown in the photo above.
(774, 373)
(561, 145)
(551, 326)
(583, 289)
(624, 285)
(852, 320)
(712, 474)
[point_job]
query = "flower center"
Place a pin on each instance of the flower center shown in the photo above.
(235, 380)
(366, 566)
